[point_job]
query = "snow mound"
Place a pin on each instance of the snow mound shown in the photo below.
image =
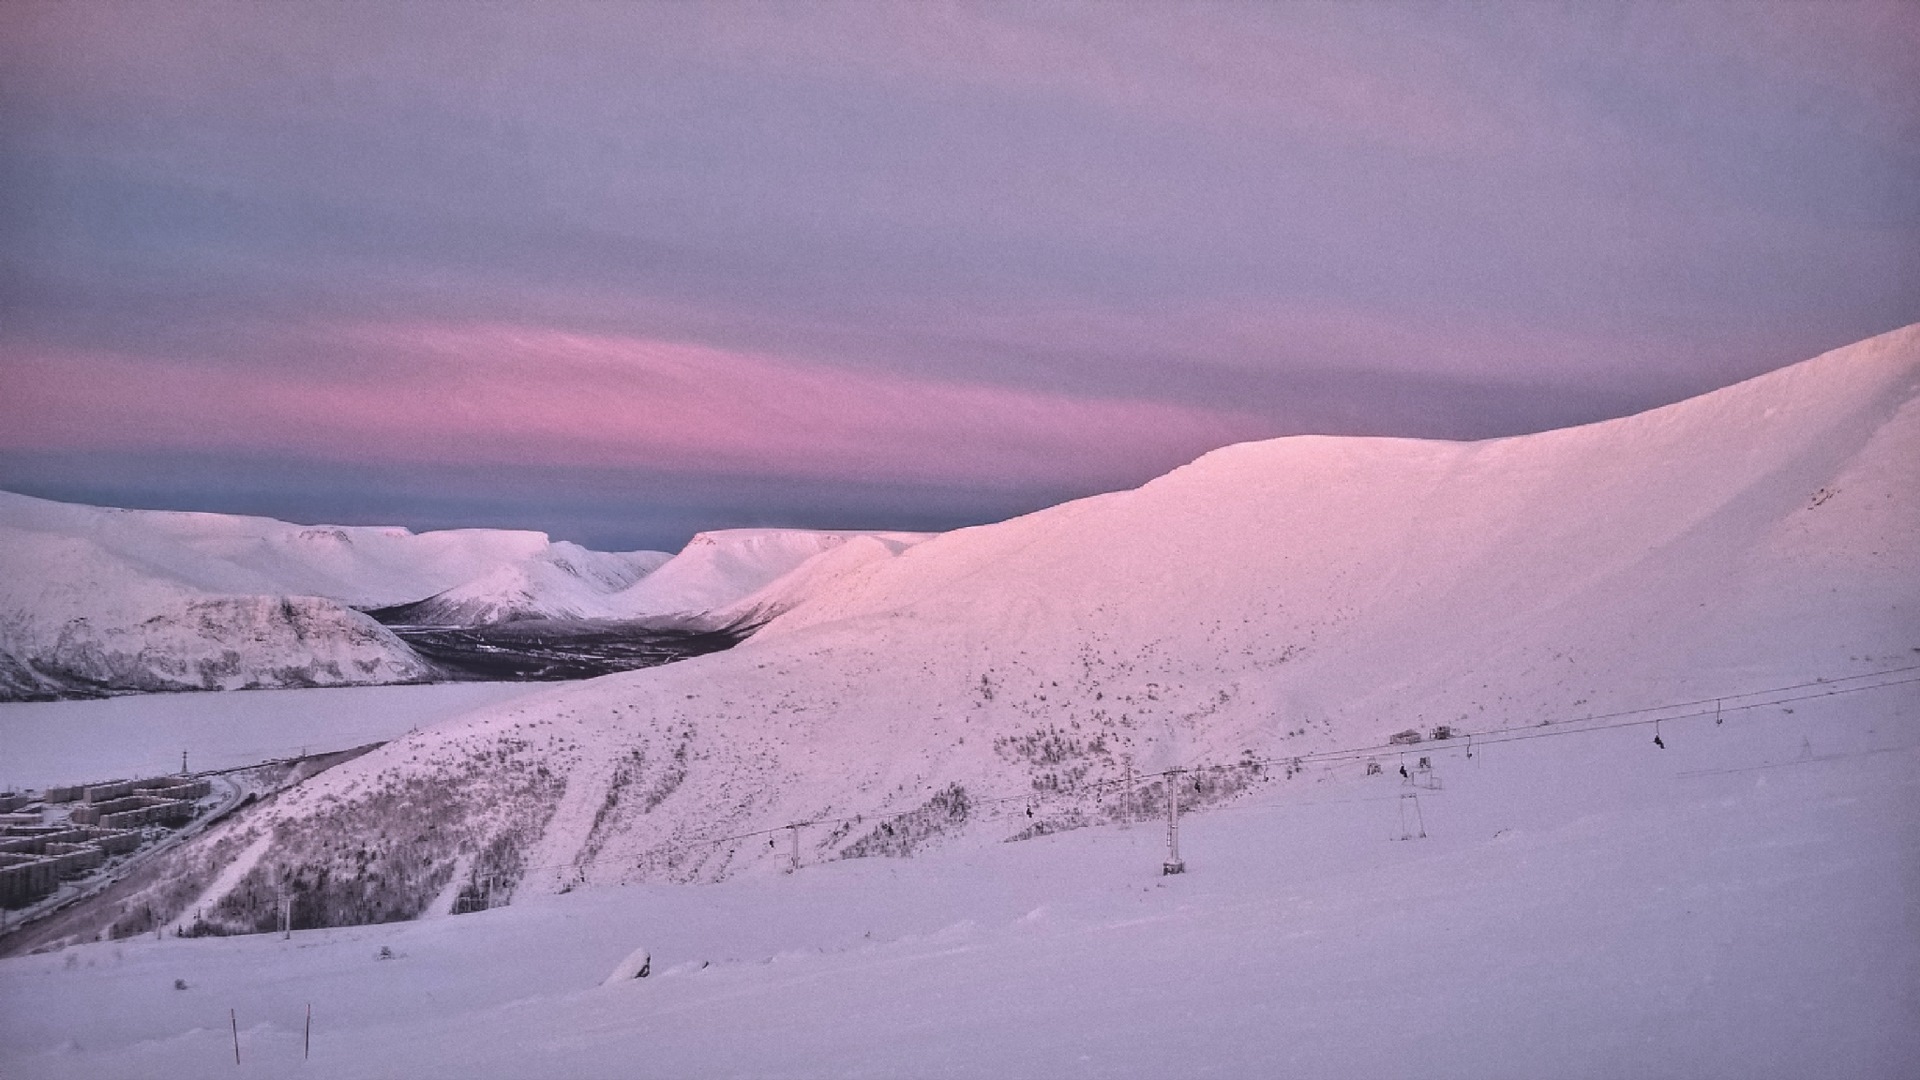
(637, 965)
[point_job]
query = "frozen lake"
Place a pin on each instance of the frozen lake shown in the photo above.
(56, 742)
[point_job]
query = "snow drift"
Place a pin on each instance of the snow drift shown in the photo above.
(1271, 599)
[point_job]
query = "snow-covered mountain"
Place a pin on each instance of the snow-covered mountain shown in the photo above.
(97, 600)
(360, 566)
(696, 588)
(1270, 600)
(565, 581)
(77, 617)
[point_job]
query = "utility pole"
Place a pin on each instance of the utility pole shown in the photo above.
(183, 763)
(1173, 865)
(793, 852)
(286, 915)
(1126, 797)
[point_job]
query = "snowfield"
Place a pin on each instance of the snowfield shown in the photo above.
(1737, 905)
(1737, 576)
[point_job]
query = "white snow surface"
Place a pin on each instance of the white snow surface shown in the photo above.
(1738, 905)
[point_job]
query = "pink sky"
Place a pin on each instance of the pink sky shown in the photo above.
(513, 395)
(928, 263)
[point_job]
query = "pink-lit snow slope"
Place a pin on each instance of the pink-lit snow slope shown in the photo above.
(1270, 600)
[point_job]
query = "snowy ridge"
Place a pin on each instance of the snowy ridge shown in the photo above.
(714, 572)
(1271, 599)
(566, 581)
(361, 566)
(717, 570)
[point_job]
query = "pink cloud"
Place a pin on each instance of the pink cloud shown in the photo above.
(522, 395)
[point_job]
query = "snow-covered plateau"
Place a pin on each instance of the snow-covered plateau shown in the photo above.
(1737, 575)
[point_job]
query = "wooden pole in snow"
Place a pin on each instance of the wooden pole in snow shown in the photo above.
(235, 1021)
(306, 1046)
(793, 852)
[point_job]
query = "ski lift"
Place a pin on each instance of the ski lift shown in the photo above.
(1657, 740)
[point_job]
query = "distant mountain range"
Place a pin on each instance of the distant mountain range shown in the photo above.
(96, 600)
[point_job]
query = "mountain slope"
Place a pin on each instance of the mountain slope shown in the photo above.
(1270, 600)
